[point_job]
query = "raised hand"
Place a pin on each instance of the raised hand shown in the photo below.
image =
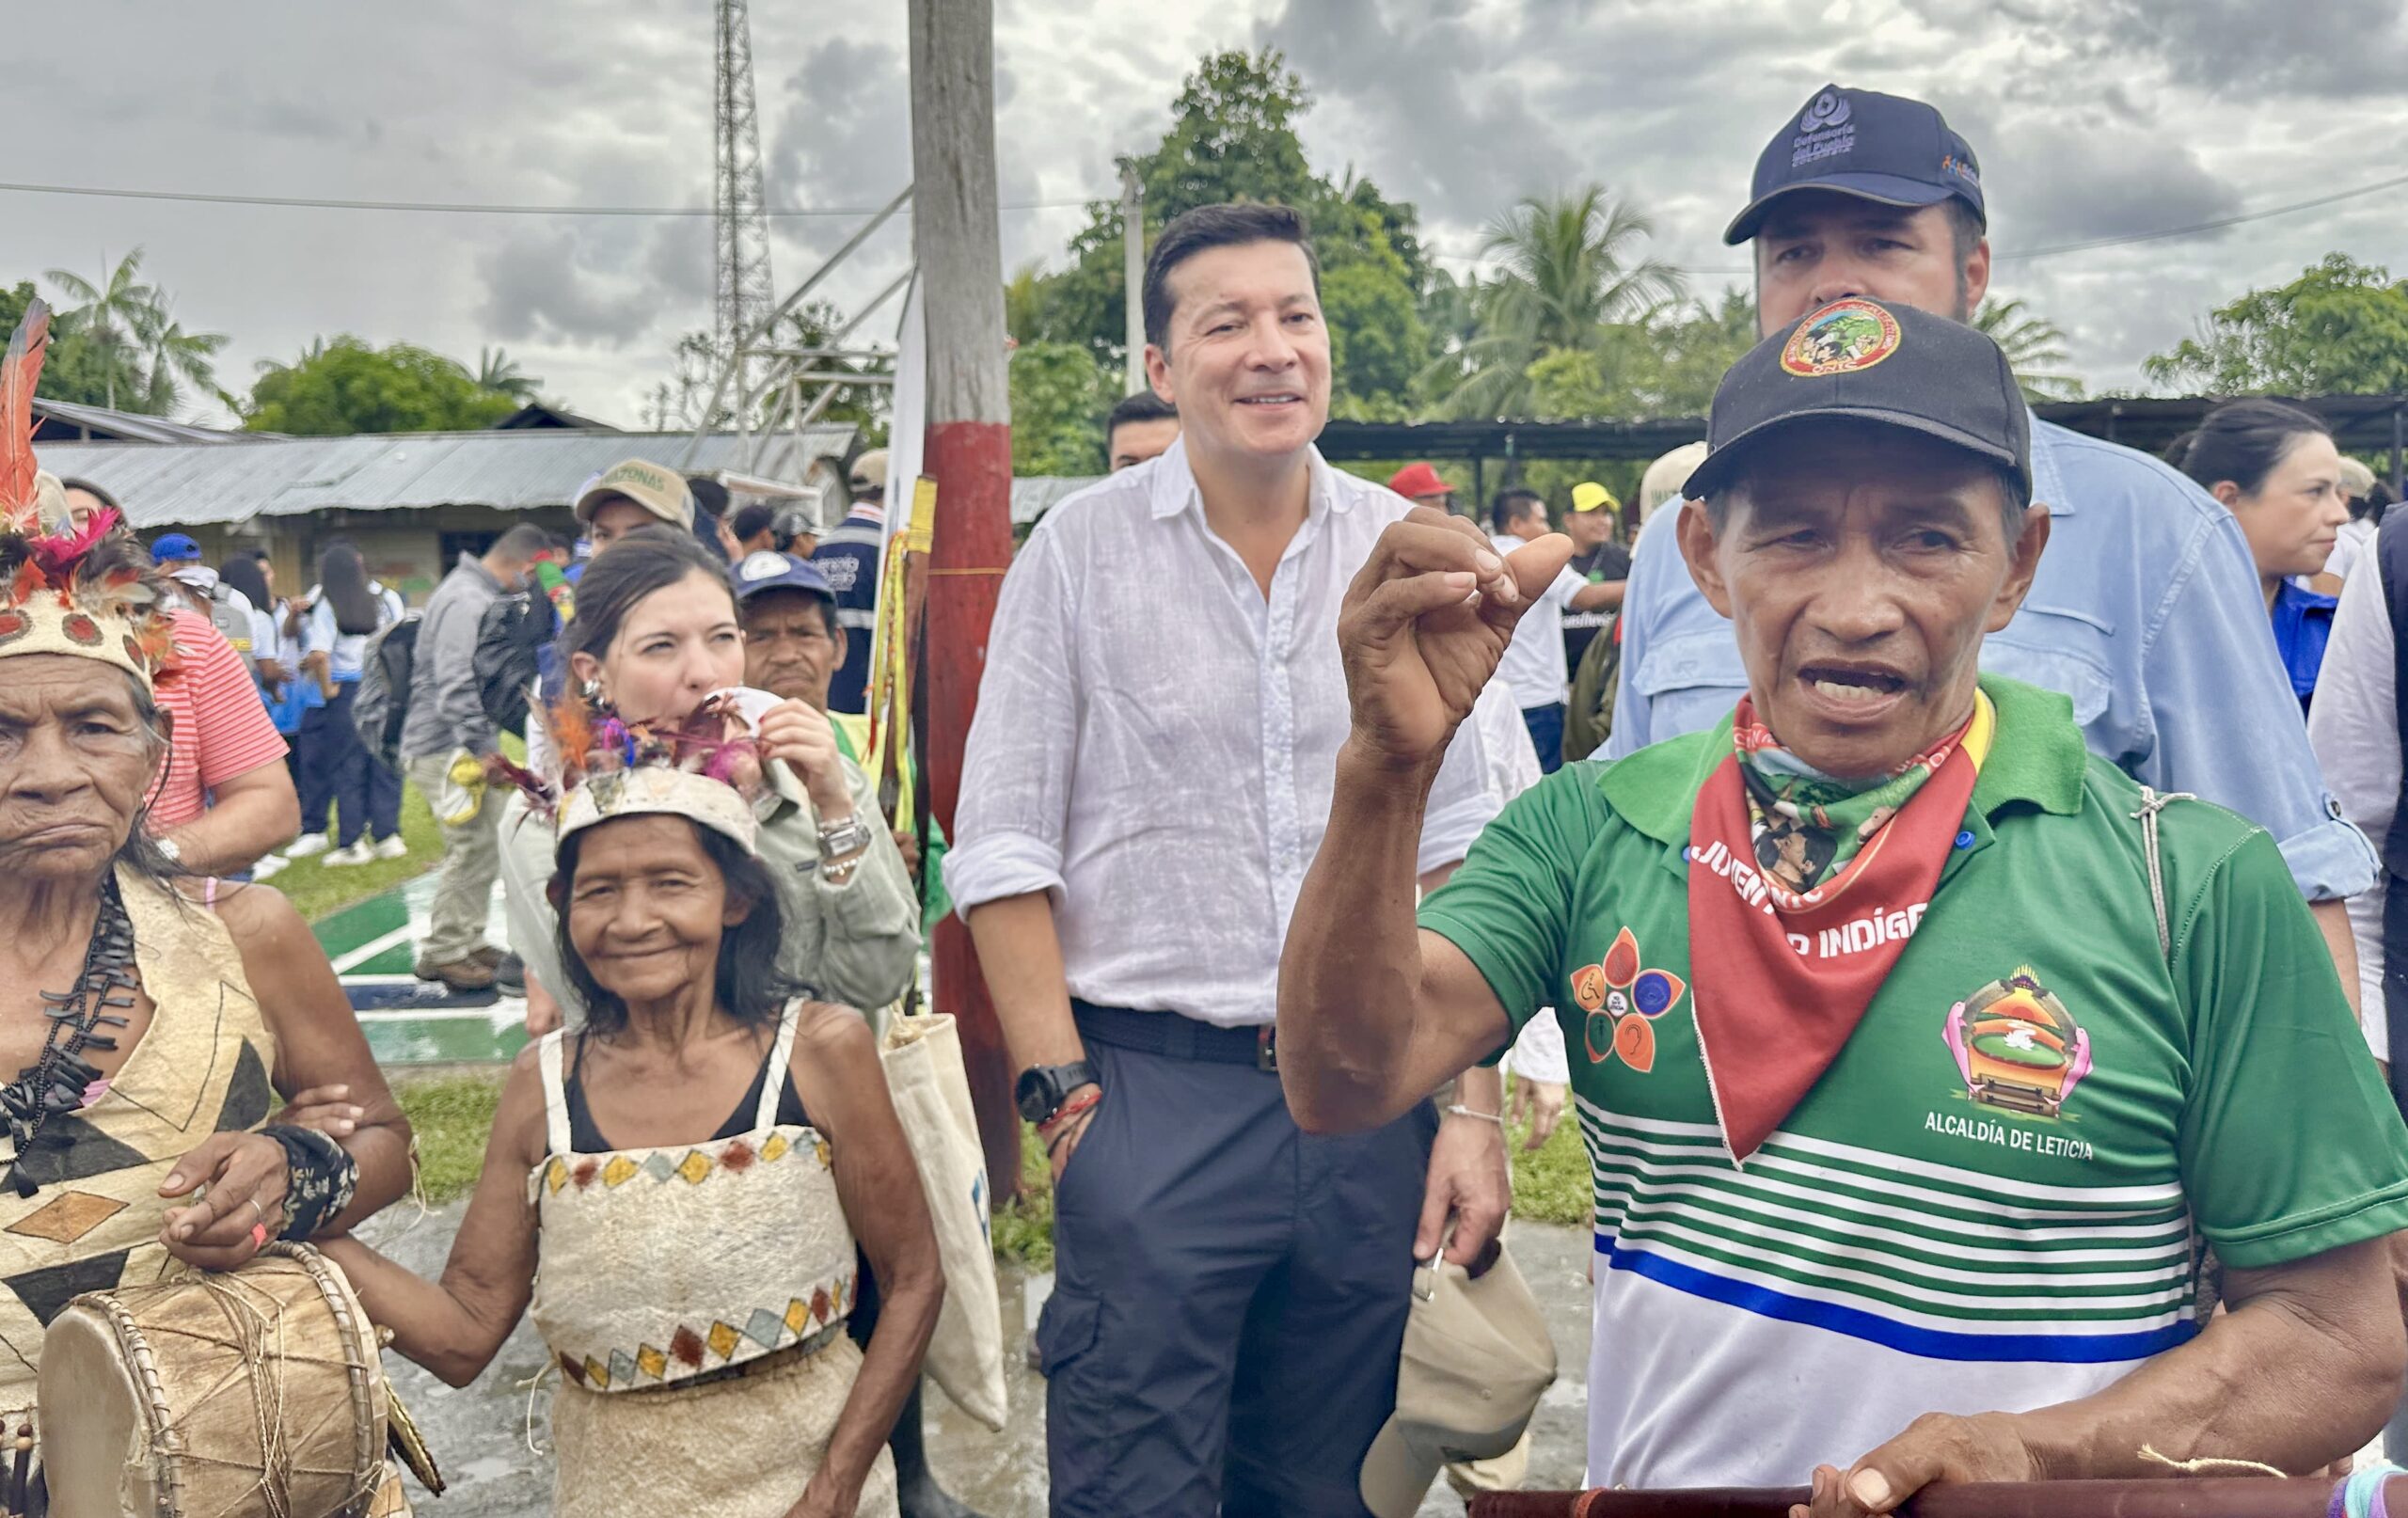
(1424, 625)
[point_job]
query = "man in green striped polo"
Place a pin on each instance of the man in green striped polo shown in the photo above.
(1921, 1059)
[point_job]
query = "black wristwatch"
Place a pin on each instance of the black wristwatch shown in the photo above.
(1043, 1088)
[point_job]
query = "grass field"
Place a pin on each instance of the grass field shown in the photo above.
(319, 891)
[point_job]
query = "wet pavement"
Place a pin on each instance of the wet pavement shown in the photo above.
(480, 1434)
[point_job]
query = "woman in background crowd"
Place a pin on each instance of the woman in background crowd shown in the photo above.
(2276, 467)
(336, 771)
(657, 632)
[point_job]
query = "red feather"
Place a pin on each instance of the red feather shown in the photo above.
(27, 581)
(19, 372)
(60, 553)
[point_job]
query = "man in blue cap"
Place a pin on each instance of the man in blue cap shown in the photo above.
(2140, 612)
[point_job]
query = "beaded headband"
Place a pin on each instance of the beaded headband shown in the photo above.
(55, 594)
(622, 770)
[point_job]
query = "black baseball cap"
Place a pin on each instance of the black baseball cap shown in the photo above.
(1861, 360)
(1883, 147)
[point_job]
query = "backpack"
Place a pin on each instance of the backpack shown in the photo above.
(233, 624)
(511, 636)
(382, 702)
(1588, 718)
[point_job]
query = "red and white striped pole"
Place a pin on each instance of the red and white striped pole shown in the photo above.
(969, 450)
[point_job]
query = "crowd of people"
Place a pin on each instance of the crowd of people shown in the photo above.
(1298, 809)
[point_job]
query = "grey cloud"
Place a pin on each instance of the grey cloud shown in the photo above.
(544, 285)
(1428, 88)
(2247, 50)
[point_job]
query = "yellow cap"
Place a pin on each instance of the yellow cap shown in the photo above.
(1588, 496)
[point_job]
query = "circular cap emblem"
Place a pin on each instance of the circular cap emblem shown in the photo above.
(1841, 338)
(1829, 109)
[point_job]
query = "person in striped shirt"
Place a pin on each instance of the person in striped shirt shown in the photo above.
(1923, 1060)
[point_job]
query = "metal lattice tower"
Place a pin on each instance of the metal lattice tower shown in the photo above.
(742, 295)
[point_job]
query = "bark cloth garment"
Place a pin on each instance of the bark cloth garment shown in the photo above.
(693, 1297)
(201, 1068)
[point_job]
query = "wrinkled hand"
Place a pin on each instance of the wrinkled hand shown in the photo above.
(1937, 1446)
(801, 735)
(1471, 1182)
(1424, 625)
(245, 1176)
(821, 1499)
(907, 843)
(1542, 1104)
(327, 1108)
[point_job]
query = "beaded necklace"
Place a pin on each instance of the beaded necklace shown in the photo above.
(62, 1080)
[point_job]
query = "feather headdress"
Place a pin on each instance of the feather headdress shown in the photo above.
(702, 767)
(87, 591)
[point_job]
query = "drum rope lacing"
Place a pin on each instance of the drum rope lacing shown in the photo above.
(62, 1080)
(251, 1327)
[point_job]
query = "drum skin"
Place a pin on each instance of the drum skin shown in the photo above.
(182, 1400)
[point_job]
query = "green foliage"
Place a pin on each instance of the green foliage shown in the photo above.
(1232, 138)
(2034, 348)
(1060, 396)
(500, 372)
(2341, 327)
(347, 387)
(1666, 365)
(1553, 1185)
(1569, 282)
(77, 370)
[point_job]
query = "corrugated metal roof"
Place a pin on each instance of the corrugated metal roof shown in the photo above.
(124, 425)
(191, 484)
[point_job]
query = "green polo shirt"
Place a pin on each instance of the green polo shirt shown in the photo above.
(1996, 1195)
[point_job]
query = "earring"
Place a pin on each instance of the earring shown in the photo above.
(591, 690)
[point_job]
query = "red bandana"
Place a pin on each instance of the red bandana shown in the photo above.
(1782, 980)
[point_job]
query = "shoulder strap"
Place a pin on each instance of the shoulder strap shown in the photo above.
(773, 1079)
(547, 1056)
(2153, 802)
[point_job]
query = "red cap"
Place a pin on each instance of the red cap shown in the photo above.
(1417, 480)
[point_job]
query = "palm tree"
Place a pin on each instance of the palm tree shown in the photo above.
(2034, 349)
(1025, 302)
(115, 311)
(175, 355)
(498, 372)
(1567, 271)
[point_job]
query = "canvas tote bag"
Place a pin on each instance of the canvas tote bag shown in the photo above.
(931, 1091)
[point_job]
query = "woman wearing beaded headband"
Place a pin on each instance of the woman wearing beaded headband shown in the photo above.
(678, 1186)
(130, 1139)
(656, 633)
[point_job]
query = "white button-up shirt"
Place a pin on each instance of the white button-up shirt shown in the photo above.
(1156, 742)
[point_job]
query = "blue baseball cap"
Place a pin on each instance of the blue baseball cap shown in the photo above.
(1882, 148)
(174, 548)
(757, 574)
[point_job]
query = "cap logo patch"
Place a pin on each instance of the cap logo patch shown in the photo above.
(761, 566)
(1841, 338)
(1824, 130)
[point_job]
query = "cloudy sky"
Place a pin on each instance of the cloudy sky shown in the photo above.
(2093, 118)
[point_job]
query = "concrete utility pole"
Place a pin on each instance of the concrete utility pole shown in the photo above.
(969, 450)
(1133, 271)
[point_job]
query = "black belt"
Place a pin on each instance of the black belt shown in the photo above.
(1174, 1037)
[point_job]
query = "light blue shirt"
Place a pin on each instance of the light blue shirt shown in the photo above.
(2147, 611)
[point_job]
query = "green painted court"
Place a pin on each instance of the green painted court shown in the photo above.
(408, 1022)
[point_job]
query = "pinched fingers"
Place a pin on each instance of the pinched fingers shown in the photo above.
(242, 1208)
(1431, 541)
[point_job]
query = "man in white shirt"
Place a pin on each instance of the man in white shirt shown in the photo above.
(1534, 668)
(1148, 775)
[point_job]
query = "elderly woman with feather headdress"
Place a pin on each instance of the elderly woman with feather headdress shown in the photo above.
(677, 1187)
(151, 1016)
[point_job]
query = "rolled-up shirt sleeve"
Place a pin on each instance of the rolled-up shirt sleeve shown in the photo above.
(2354, 731)
(1017, 769)
(2228, 729)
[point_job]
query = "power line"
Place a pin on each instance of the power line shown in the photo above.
(2094, 244)
(465, 208)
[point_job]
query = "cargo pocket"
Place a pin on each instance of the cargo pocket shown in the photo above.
(1066, 1329)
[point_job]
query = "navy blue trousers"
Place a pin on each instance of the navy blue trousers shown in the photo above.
(1546, 734)
(1229, 1297)
(336, 773)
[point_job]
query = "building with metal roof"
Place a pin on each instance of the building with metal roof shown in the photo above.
(413, 502)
